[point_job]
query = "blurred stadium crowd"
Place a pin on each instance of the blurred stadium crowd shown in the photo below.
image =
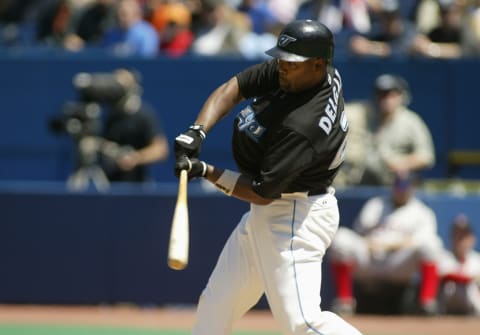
(242, 28)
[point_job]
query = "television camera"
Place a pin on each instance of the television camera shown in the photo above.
(81, 119)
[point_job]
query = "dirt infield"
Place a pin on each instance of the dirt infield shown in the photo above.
(182, 318)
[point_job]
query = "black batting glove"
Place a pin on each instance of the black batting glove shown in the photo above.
(189, 143)
(195, 167)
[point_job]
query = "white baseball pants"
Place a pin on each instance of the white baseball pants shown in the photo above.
(276, 249)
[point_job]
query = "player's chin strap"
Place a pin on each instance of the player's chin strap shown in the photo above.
(227, 181)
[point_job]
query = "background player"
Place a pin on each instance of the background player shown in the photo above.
(393, 238)
(288, 145)
(459, 270)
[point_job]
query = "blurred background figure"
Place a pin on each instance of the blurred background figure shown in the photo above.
(472, 29)
(260, 15)
(326, 11)
(172, 19)
(459, 269)
(343, 17)
(392, 36)
(283, 10)
(393, 239)
(117, 134)
(132, 125)
(132, 35)
(445, 39)
(360, 139)
(264, 29)
(219, 29)
(17, 27)
(386, 137)
(338, 15)
(57, 21)
(91, 25)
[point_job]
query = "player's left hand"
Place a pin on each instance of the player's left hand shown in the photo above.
(195, 167)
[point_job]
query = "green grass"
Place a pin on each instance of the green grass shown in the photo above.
(15, 329)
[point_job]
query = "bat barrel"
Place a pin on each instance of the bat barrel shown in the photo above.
(179, 235)
(175, 264)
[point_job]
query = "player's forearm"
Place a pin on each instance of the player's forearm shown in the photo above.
(412, 162)
(219, 104)
(243, 187)
(375, 246)
(157, 151)
(445, 50)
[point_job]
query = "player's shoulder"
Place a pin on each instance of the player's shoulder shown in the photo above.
(378, 201)
(258, 79)
(257, 69)
(322, 113)
(372, 209)
(409, 115)
(422, 206)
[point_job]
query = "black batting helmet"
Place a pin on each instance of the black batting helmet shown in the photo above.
(303, 39)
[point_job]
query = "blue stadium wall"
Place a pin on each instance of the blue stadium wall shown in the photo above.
(89, 248)
(33, 89)
(59, 247)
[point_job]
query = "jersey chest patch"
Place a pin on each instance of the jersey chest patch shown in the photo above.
(248, 124)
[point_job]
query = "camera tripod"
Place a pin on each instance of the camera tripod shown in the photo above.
(88, 172)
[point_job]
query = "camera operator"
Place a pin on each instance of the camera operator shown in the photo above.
(118, 146)
(132, 136)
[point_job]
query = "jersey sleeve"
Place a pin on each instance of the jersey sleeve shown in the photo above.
(259, 79)
(282, 163)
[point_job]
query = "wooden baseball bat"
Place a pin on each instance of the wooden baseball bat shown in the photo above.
(179, 234)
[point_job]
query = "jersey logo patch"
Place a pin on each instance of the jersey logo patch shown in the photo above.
(284, 40)
(248, 124)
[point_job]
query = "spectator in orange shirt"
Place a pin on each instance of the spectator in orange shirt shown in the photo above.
(172, 20)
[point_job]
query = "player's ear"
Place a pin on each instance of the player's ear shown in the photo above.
(320, 62)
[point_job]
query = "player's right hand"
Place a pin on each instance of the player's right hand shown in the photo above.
(195, 167)
(189, 143)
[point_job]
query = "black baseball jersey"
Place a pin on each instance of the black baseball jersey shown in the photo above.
(289, 142)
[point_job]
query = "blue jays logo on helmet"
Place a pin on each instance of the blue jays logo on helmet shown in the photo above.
(284, 40)
(303, 39)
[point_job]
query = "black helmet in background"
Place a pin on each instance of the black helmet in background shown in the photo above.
(391, 82)
(303, 39)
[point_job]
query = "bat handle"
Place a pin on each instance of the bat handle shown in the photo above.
(182, 185)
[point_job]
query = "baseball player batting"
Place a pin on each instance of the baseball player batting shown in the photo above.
(288, 145)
